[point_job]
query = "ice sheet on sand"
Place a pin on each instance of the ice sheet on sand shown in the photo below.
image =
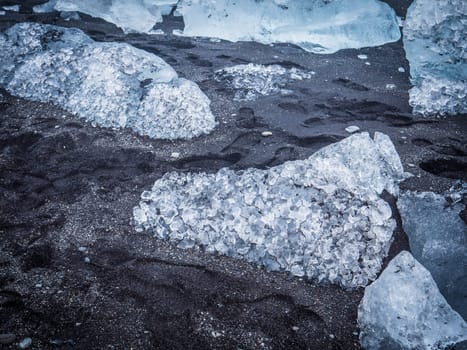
(131, 16)
(404, 310)
(109, 84)
(253, 80)
(438, 240)
(321, 217)
(436, 47)
(319, 26)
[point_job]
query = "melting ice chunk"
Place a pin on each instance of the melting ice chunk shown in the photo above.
(321, 217)
(109, 84)
(438, 240)
(252, 80)
(318, 26)
(435, 44)
(403, 309)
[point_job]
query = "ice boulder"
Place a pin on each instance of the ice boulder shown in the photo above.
(321, 217)
(131, 16)
(404, 310)
(438, 240)
(319, 26)
(249, 81)
(109, 84)
(436, 45)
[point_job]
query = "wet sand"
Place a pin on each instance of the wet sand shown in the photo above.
(66, 185)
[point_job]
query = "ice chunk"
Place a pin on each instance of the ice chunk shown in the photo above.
(438, 240)
(352, 128)
(14, 8)
(131, 16)
(109, 84)
(403, 309)
(252, 80)
(319, 26)
(436, 45)
(321, 217)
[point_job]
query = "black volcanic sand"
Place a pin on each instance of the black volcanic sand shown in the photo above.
(68, 189)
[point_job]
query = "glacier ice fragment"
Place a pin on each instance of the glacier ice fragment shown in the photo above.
(438, 240)
(110, 84)
(404, 310)
(249, 81)
(321, 217)
(435, 43)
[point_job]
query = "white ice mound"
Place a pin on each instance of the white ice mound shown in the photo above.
(319, 26)
(131, 16)
(321, 217)
(404, 310)
(109, 84)
(253, 80)
(436, 47)
(438, 240)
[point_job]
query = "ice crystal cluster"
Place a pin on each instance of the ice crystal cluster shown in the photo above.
(109, 84)
(321, 217)
(320, 26)
(436, 45)
(404, 310)
(438, 240)
(253, 80)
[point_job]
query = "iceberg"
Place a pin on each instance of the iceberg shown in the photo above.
(436, 46)
(438, 240)
(319, 26)
(249, 81)
(109, 84)
(404, 310)
(321, 218)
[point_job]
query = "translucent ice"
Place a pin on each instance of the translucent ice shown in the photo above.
(438, 240)
(321, 217)
(110, 84)
(319, 26)
(404, 310)
(436, 45)
(131, 16)
(252, 80)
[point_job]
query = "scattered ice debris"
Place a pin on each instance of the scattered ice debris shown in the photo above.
(403, 309)
(401, 70)
(14, 8)
(253, 80)
(175, 155)
(321, 217)
(319, 26)
(363, 57)
(131, 16)
(25, 343)
(70, 15)
(266, 133)
(390, 86)
(438, 240)
(435, 45)
(110, 84)
(351, 129)
(368, 63)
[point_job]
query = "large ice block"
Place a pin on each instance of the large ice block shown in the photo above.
(321, 217)
(436, 45)
(109, 84)
(404, 310)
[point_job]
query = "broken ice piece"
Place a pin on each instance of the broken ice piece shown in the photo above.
(351, 129)
(363, 57)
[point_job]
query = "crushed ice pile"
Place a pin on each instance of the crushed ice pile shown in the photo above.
(320, 26)
(403, 309)
(436, 45)
(252, 80)
(321, 217)
(131, 16)
(109, 84)
(438, 240)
